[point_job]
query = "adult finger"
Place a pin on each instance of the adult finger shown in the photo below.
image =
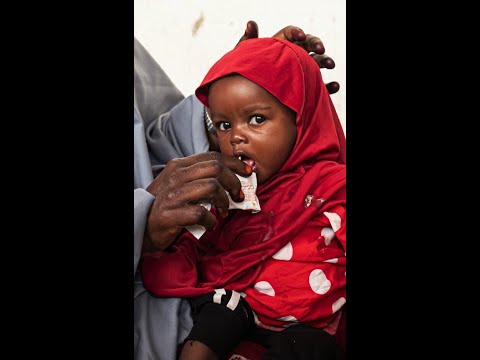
(213, 171)
(291, 33)
(208, 190)
(313, 44)
(324, 61)
(232, 163)
(332, 87)
(161, 236)
(195, 214)
(251, 31)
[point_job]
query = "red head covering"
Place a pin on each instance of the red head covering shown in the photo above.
(287, 72)
(244, 249)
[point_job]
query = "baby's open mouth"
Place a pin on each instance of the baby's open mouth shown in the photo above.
(247, 161)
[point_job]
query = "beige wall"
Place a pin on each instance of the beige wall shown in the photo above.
(187, 36)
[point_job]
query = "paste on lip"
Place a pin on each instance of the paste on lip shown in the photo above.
(250, 162)
(250, 203)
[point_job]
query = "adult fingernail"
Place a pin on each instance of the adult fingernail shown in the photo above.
(319, 47)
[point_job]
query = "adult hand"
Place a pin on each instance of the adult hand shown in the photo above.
(185, 183)
(310, 43)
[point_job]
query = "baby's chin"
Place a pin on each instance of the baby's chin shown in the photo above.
(264, 176)
(260, 178)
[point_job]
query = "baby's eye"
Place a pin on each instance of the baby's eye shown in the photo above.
(223, 125)
(257, 119)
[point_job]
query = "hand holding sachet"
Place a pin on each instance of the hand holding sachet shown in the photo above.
(249, 188)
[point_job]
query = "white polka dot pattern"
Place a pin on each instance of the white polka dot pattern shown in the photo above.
(289, 318)
(319, 282)
(333, 261)
(338, 304)
(265, 288)
(328, 234)
(284, 253)
(335, 220)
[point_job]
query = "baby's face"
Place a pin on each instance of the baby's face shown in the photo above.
(252, 124)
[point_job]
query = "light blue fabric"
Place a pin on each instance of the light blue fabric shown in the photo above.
(166, 126)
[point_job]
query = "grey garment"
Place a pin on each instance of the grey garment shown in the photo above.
(166, 126)
(143, 200)
(154, 92)
(159, 324)
(178, 133)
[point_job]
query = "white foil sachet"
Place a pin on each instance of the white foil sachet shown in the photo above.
(249, 188)
(198, 230)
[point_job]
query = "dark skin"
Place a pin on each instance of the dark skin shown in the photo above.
(203, 178)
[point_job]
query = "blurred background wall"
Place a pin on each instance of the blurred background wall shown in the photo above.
(186, 37)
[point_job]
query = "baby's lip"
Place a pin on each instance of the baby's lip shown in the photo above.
(250, 162)
(247, 160)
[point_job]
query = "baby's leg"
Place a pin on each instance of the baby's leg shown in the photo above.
(298, 342)
(194, 349)
(218, 326)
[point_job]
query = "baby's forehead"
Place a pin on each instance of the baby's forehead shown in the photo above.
(238, 87)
